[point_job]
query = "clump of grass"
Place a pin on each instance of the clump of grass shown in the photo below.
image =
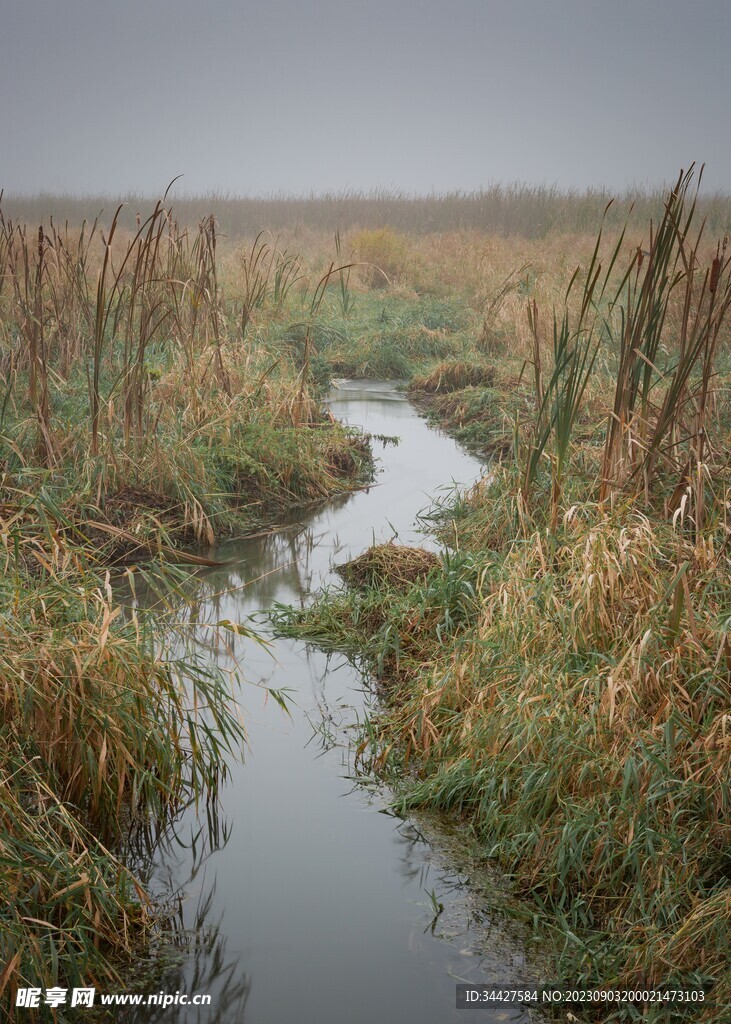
(482, 417)
(659, 419)
(382, 254)
(268, 275)
(394, 338)
(452, 375)
(102, 727)
(71, 910)
(290, 466)
(393, 564)
(402, 601)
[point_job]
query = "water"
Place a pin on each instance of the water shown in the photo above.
(308, 902)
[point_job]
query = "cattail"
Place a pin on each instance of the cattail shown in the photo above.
(715, 274)
(640, 257)
(41, 240)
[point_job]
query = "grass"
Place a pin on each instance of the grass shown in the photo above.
(559, 675)
(104, 725)
(561, 678)
(141, 410)
(155, 383)
(388, 563)
(534, 211)
(387, 336)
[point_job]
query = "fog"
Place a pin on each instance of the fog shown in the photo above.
(264, 96)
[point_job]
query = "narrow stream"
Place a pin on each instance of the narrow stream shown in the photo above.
(306, 901)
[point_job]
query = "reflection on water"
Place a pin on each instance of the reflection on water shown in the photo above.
(294, 899)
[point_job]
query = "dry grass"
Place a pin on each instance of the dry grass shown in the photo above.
(452, 375)
(102, 728)
(533, 211)
(563, 678)
(389, 564)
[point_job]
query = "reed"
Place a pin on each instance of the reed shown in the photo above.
(113, 313)
(104, 726)
(268, 276)
(25, 264)
(561, 676)
(658, 422)
(345, 295)
(502, 209)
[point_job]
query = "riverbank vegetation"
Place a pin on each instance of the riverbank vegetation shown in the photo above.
(104, 725)
(562, 678)
(131, 423)
(133, 393)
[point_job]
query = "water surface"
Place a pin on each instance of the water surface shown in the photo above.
(308, 902)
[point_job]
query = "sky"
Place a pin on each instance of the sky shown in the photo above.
(258, 97)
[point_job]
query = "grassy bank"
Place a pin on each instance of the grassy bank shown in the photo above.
(562, 677)
(137, 394)
(141, 410)
(105, 725)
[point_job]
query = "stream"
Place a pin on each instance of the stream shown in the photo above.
(301, 898)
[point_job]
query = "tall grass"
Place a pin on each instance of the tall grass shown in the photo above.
(95, 328)
(562, 678)
(268, 276)
(659, 416)
(104, 726)
(26, 265)
(533, 211)
(558, 401)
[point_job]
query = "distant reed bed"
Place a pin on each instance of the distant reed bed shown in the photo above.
(515, 208)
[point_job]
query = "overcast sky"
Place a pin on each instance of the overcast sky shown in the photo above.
(260, 96)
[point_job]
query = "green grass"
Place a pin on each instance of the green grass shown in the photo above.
(107, 721)
(562, 679)
(387, 337)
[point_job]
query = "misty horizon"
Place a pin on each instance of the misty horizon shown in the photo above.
(272, 99)
(510, 209)
(374, 193)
